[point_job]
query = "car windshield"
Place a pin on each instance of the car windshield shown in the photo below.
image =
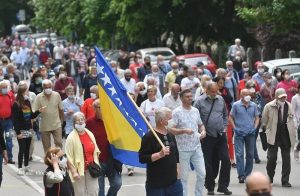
(166, 54)
(195, 60)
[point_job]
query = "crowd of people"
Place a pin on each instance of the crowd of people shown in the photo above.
(51, 91)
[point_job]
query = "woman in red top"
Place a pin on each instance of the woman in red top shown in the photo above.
(290, 86)
(82, 150)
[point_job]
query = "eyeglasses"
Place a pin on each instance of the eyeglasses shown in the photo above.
(166, 141)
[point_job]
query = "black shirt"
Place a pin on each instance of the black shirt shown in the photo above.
(88, 82)
(163, 172)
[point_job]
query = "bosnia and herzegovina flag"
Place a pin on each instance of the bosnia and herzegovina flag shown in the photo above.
(123, 123)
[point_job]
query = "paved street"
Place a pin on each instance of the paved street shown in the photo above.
(14, 185)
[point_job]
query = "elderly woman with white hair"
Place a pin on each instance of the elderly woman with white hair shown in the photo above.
(119, 72)
(82, 150)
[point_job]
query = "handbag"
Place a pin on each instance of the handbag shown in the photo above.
(263, 139)
(94, 169)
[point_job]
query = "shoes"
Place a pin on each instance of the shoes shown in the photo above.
(28, 170)
(257, 161)
(210, 192)
(11, 162)
(233, 165)
(296, 155)
(286, 184)
(225, 191)
(20, 172)
(130, 172)
(241, 179)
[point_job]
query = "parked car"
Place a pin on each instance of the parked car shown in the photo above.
(23, 30)
(154, 52)
(292, 64)
(193, 59)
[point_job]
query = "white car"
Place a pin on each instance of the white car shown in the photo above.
(167, 53)
(291, 64)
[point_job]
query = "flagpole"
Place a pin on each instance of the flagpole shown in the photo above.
(147, 122)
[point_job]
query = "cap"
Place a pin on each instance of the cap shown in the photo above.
(279, 93)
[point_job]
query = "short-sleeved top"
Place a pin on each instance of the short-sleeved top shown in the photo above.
(183, 118)
(50, 117)
(187, 83)
(73, 105)
(170, 78)
(148, 108)
(244, 117)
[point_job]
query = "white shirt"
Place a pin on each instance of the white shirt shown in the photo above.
(148, 109)
(183, 119)
(16, 57)
(130, 86)
(58, 52)
(170, 102)
(296, 108)
(187, 83)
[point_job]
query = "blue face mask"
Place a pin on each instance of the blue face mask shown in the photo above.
(4, 91)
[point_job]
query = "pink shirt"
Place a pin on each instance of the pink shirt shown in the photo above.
(287, 85)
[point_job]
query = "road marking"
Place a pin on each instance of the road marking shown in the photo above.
(30, 182)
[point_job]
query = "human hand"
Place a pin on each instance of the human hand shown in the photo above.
(70, 111)
(20, 136)
(42, 109)
(5, 157)
(54, 159)
(202, 134)
(76, 176)
(164, 151)
(188, 131)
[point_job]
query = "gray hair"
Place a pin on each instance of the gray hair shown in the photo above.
(77, 115)
(127, 71)
(46, 81)
(229, 63)
(161, 113)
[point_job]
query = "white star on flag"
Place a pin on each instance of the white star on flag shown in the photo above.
(100, 69)
(113, 91)
(119, 100)
(105, 79)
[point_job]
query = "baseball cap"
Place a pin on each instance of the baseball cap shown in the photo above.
(279, 93)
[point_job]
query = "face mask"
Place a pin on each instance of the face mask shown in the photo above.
(286, 77)
(230, 69)
(48, 91)
(71, 97)
(79, 127)
(11, 79)
(260, 194)
(1, 78)
(93, 95)
(114, 68)
(261, 71)
(155, 73)
(175, 71)
(247, 98)
(211, 97)
(191, 77)
(26, 97)
(278, 75)
(4, 91)
(143, 92)
(161, 63)
(280, 102)
(238, 58)
(63, 162)
(246, 69)
(62, 76)
(252, 90)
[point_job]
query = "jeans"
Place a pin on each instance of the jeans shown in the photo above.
(256, 157)
(24, 146)
(115, 182)
(241, 142)
(1, 173)
(7, 126)
(174, 189)
(196, 158)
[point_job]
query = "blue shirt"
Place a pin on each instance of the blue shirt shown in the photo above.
(244, 117)
(75, 106)
(259, 79)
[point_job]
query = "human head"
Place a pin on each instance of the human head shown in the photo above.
(250, 85)
(245, 95)
(151, 81)
(62, 74)
(94, 92)
(245, 66)
(97, 109)
(114, 65)
(3, 86)
(184, 70)
(285, 75)
(151, 92)
(212, 89)
(10, 68)
(256, 183)
(93, 69)
(260, 68)
(237, 41)
(175, 89)
(277, 73)
(186, 97)
(221, 72)
(174, 66)
(229, 65)
(147, 60)
(267, 78)
(155, 69)
(280, 95)
(78, 119)
(220, 81)
(160, 59)
(247, 75)
(162, 116)
(70, 91)
(204, 80)
(191, 73)
(127, 74)
(52, 151)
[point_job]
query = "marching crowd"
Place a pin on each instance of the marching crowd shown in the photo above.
(208, 121)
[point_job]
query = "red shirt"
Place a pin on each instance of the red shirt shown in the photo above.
(6, 102)
(60, 85)
(96, 126)
(88, 148)
(87, 108)
(133, 67)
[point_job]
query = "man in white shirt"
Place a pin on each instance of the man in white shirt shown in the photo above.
(159, 78)
(190, 82)
(128, 81)
(58, 53)
(171, 99)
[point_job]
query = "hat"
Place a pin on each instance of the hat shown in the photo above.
(279, 93)
(200, 63)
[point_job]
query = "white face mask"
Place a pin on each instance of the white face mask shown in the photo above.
(93, 95)
(26, 97)
(278, 75)
(143, 92)
(246, 69)
(155, 73)
(79, 127)
(247, 98)
(63, 162)
(48, 91)
(281, 103)
(261, 70)
(252, 90)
